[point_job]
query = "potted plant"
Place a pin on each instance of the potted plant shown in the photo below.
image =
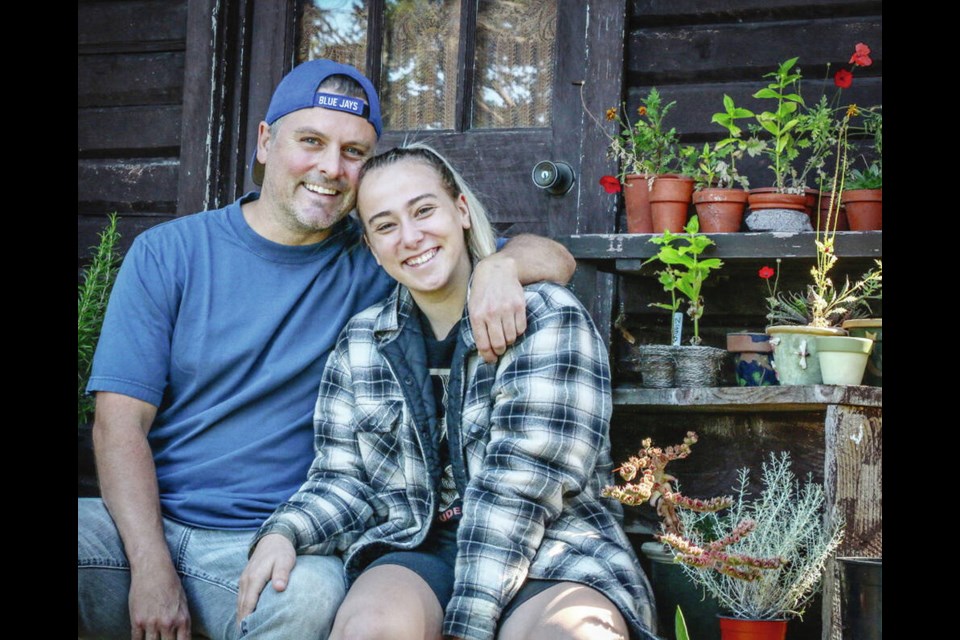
(646, 151)
(798, 319)
(863, 191)
(684, 272)
(646, 482)
(720, 195)
(761, 559)
(92, 297)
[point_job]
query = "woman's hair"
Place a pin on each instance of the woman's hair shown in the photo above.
(481, 241)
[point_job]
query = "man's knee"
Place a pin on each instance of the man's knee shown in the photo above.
(306, 608)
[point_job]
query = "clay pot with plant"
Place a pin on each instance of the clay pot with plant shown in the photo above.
(762, 559)
(863, 189)
(646, 149)
(720, 191)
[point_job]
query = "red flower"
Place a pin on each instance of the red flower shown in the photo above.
(610, 184)
(766, 272)
(843, 79)
(861, 56)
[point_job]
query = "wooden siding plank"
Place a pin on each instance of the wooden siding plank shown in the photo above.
(129, 226)
(748, 9)
(134, 185)
(129, 79)
(746, 51)
(147, 25)
(128, 130)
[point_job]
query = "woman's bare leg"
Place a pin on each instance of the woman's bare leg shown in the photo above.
(566, 611)
(388, 602)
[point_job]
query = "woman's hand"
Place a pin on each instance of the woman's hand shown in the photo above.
(272, 561)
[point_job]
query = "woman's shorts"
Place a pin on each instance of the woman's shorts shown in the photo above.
(434, 562)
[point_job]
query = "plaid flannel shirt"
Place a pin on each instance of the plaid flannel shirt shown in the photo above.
(532, 435)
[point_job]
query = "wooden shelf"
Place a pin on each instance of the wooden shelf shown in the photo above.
(748, 399)
(624, 253)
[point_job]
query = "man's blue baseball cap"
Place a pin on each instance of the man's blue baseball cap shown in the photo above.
(298, 90)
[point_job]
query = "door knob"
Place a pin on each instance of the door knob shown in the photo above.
(554, 177)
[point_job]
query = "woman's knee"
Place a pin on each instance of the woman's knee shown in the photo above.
(567, 611)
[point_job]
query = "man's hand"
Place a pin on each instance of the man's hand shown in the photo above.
(498, 310)
(272, 561)
(158, 605)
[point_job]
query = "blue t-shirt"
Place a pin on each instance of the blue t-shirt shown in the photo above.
(227, 333)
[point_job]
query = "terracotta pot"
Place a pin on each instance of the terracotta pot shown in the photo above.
(824, 221)
(864, 209)
(636, 196)
(720, 210)
(811, 197)
(738, 629)
(670, 202)
(768, 198)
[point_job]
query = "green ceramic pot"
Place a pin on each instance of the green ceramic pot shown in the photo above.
(795, 353)
(870, 328)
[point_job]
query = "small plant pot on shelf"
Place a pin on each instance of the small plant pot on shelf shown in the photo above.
(861, 598)
(698, 366)
(672, 588)
(657, 364)
(843, 359)
(870, 328)
(773, 211)
(740, 629)
(670, 198)
(828, 211)
(636, 198)
(795, 353)
(864, 209)
(720, 210)
(752, 359)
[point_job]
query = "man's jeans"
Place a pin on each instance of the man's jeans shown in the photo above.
(209, 563)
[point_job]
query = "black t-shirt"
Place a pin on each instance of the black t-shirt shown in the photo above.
(439, 359)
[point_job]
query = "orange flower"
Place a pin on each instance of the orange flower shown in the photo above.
(611, 113)
(852, 111)
(642, 110)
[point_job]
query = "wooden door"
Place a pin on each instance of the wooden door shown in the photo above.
(495, 85)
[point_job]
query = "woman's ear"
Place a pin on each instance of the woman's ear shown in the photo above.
(464, 211)
(370, 247)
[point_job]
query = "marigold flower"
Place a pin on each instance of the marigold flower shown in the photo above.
(766, 272)
(611, 113)
(843, 79)
(861, 56)
(610, 184)
(642, 110)
(852, 111)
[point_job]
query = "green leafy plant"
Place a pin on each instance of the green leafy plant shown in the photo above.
(684, 270)
(781, 124)
(771, 556)
(643, 145)
(680, 626)
(871, 176)
(93, 294)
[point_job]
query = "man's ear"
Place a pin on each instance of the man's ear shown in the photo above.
(263, 142)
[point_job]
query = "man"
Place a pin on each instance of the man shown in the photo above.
(206, 375)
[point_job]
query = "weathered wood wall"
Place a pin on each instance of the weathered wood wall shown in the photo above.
(130, 69)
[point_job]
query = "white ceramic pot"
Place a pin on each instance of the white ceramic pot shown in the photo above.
(843, 359)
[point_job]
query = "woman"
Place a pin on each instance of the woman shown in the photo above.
(463, 496)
